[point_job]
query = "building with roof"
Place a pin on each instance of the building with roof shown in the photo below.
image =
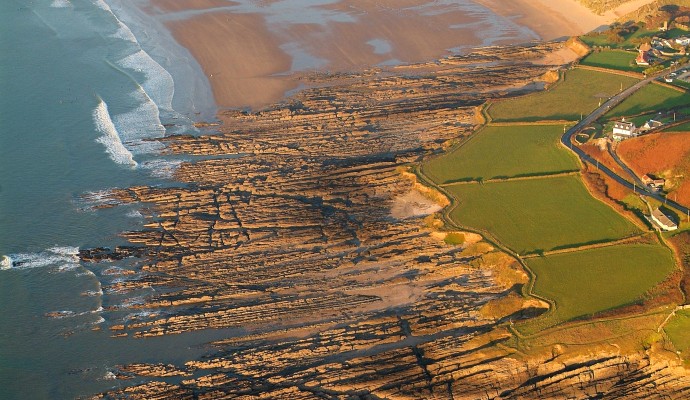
(644, 58)
(649, 125)
(653, 182)
(624, 130)
(663, 221)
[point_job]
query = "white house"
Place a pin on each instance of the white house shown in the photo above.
(663, 221)
(653, 182)
(683, 41)
(649, 125)
(624, 130)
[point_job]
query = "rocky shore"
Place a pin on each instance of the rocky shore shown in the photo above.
(287, 240)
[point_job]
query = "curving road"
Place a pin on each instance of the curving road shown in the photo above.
(595, 115)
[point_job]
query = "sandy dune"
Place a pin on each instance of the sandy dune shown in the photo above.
(553, 19)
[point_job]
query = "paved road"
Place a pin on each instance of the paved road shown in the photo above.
(596, 114)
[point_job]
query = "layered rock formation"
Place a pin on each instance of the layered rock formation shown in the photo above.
(285, 239)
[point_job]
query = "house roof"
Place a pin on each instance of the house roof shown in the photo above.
(642, 58)
(652, 179)
(628, 126)
(645, 47)
(663, 219)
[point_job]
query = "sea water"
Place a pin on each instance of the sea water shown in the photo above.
(80, 99)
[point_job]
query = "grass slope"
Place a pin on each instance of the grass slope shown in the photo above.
(538, 214)
(586, 282)
(650, 98)
(504, 151)
(567, 100)
(677, 330)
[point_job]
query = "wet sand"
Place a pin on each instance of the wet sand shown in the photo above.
(240, 60)
(252, 53)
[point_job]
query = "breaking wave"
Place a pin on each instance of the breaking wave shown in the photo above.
(131, 132)
(65, 258)
(140, 124)
(110, 137)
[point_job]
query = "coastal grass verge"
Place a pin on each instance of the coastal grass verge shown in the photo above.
(651, 98)
(612, 59)
(538, 215)
(584, 283)
(677, 330)
(522, 151)
(577, 94)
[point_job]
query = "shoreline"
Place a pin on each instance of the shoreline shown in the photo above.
(274, 47)
(189, 79)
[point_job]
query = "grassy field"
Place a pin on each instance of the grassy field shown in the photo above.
(576, 95)
(650, 98)
(522, 150)
(613, 59)
(535, 215)
(586, 282)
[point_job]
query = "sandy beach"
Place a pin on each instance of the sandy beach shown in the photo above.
(253, 53)
(553, 19)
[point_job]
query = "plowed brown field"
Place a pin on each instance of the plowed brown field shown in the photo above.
(664, 154)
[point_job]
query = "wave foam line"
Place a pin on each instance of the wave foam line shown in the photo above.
(61, 4)
(158, 84)
(110, 137)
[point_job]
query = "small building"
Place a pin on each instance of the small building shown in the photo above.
(649, 125)
(624, 130)
(653, 182)
(644, 57)
(663, 221)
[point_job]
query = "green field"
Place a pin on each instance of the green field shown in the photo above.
(541, 214)
(613, 59)
(586, 282)
(576, 95)
(631, 41)
(680, 128)
(522, 150)
(677, 330)
(650, 98)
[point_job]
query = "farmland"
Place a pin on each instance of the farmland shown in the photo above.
(650, 98)
(586, 282)
(613, 59)
(504, 182)
(538, 214)
(578, 94)
(522, 151)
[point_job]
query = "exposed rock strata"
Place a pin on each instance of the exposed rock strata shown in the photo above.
(293, 246)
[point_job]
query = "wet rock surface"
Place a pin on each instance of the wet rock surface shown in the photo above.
(292, 246)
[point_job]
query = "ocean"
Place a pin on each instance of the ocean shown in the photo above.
(79, 97)
(84, 85)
